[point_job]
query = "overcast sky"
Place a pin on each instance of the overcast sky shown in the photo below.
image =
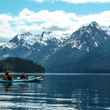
(57, 15)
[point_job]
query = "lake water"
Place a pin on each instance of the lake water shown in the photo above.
(58, 92)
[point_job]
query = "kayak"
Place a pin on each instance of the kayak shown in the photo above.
(34, 79)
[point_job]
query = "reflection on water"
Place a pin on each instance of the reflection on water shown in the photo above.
(7, 86)
(58, 93)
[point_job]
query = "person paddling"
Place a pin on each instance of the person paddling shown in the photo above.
(7, 76)
(23, 76)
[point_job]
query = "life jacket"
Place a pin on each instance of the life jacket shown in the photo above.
(9, 77)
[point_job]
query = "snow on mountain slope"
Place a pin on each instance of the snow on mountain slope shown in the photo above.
(107, 29)
(41, 46)
(28, 39)
(88, 37)
(7, 45)
(32, 46)
(86, 50)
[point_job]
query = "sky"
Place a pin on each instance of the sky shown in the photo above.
(17, 16)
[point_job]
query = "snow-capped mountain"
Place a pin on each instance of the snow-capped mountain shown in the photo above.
(31, 45)
(89, 37)
(29, 39)
(86, 50)
(80, 51)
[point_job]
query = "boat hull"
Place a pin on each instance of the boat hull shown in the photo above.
(20, 81)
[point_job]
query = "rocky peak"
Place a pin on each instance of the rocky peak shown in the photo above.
(88, 37)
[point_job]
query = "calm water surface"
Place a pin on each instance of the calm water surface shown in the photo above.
(67, 92)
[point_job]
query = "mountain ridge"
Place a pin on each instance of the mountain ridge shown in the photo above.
(46, 48)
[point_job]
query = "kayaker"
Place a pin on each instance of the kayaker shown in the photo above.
(7, 76)
(23, 76)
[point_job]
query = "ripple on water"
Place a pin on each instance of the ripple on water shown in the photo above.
(57, 94)
(34, 102)
(38, 106)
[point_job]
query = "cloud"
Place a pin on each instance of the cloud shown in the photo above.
(5, 26)
(44, 20)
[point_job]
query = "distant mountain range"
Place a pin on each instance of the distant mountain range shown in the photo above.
(85, 50)
(37, 47)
